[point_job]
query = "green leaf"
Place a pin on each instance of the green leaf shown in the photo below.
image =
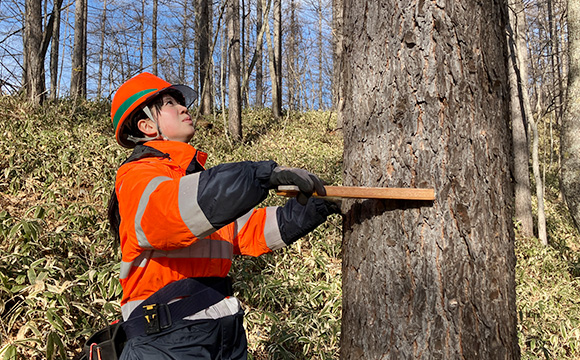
(9, 352)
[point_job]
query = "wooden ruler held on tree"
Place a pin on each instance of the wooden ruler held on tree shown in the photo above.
(357, 192)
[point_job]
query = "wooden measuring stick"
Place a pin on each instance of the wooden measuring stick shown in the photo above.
(356, 192)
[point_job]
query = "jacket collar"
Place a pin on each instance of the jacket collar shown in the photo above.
(185, 155)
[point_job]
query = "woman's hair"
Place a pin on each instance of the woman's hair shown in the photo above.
(132, 128)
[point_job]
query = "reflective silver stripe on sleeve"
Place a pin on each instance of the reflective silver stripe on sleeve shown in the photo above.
(191, 213)
(153, 184)
(241, 221)
(272, 231)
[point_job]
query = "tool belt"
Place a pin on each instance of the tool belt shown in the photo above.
(106, 343)
(156, 314)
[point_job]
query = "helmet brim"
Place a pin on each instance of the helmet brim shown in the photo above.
(189, 95)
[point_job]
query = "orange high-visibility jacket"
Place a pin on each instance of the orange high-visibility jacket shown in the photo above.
(179, 220)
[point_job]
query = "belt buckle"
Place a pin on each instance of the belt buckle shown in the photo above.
(152, 319)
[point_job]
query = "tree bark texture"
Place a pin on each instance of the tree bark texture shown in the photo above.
(76, 82)
(570, 132)
(234, 98)
(519, 122)
(55, 45)
(34, 58)
(204, 26)
(426, 105)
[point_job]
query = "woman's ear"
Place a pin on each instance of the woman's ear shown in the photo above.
(147, 127)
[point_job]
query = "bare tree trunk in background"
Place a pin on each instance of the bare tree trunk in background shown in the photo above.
(204, 28)
(234, 103)
(141, 35)
(34, 64)
(36, 43)
(259, 55)
(426, 107)
(522, 68)
(76, 85)
(519, 121)
(556, 97)
(337, 50)
(278, 56)
(54, 48)
(276, 112)
(291, 59)
(243, 47)
(256, 58)
(154, 38)
(570, 132)
(320, 56)
(102, 50)
(84, 51)
(184, 43)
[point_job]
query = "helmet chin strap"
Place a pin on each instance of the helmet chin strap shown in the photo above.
(160, 134)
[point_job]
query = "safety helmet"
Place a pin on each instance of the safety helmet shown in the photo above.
(134, 94)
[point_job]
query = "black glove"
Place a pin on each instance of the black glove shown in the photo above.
(333, 205)
(307, 183)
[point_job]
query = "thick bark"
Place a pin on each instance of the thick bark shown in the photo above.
(519, 121)
(425, 106)
(234, 98)
(570, 132)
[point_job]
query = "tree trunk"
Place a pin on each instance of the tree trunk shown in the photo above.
(154, 38)
(102, 51)
(320, 56)
(142, 36)
(204, 27)
(55, 44)
(84, 52)
(521, 55)
(519, 121)
(275, 57)
(570, 133)
(34, 59)
(184, 43)
(425, 107)
(76, 84)
(278, 55)
(259, 55)
(291, 59)
(234, 103)
(337, 50)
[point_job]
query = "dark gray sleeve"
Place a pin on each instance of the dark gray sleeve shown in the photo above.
(228, 191)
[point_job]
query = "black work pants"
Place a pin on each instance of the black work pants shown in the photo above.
(221, 339)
